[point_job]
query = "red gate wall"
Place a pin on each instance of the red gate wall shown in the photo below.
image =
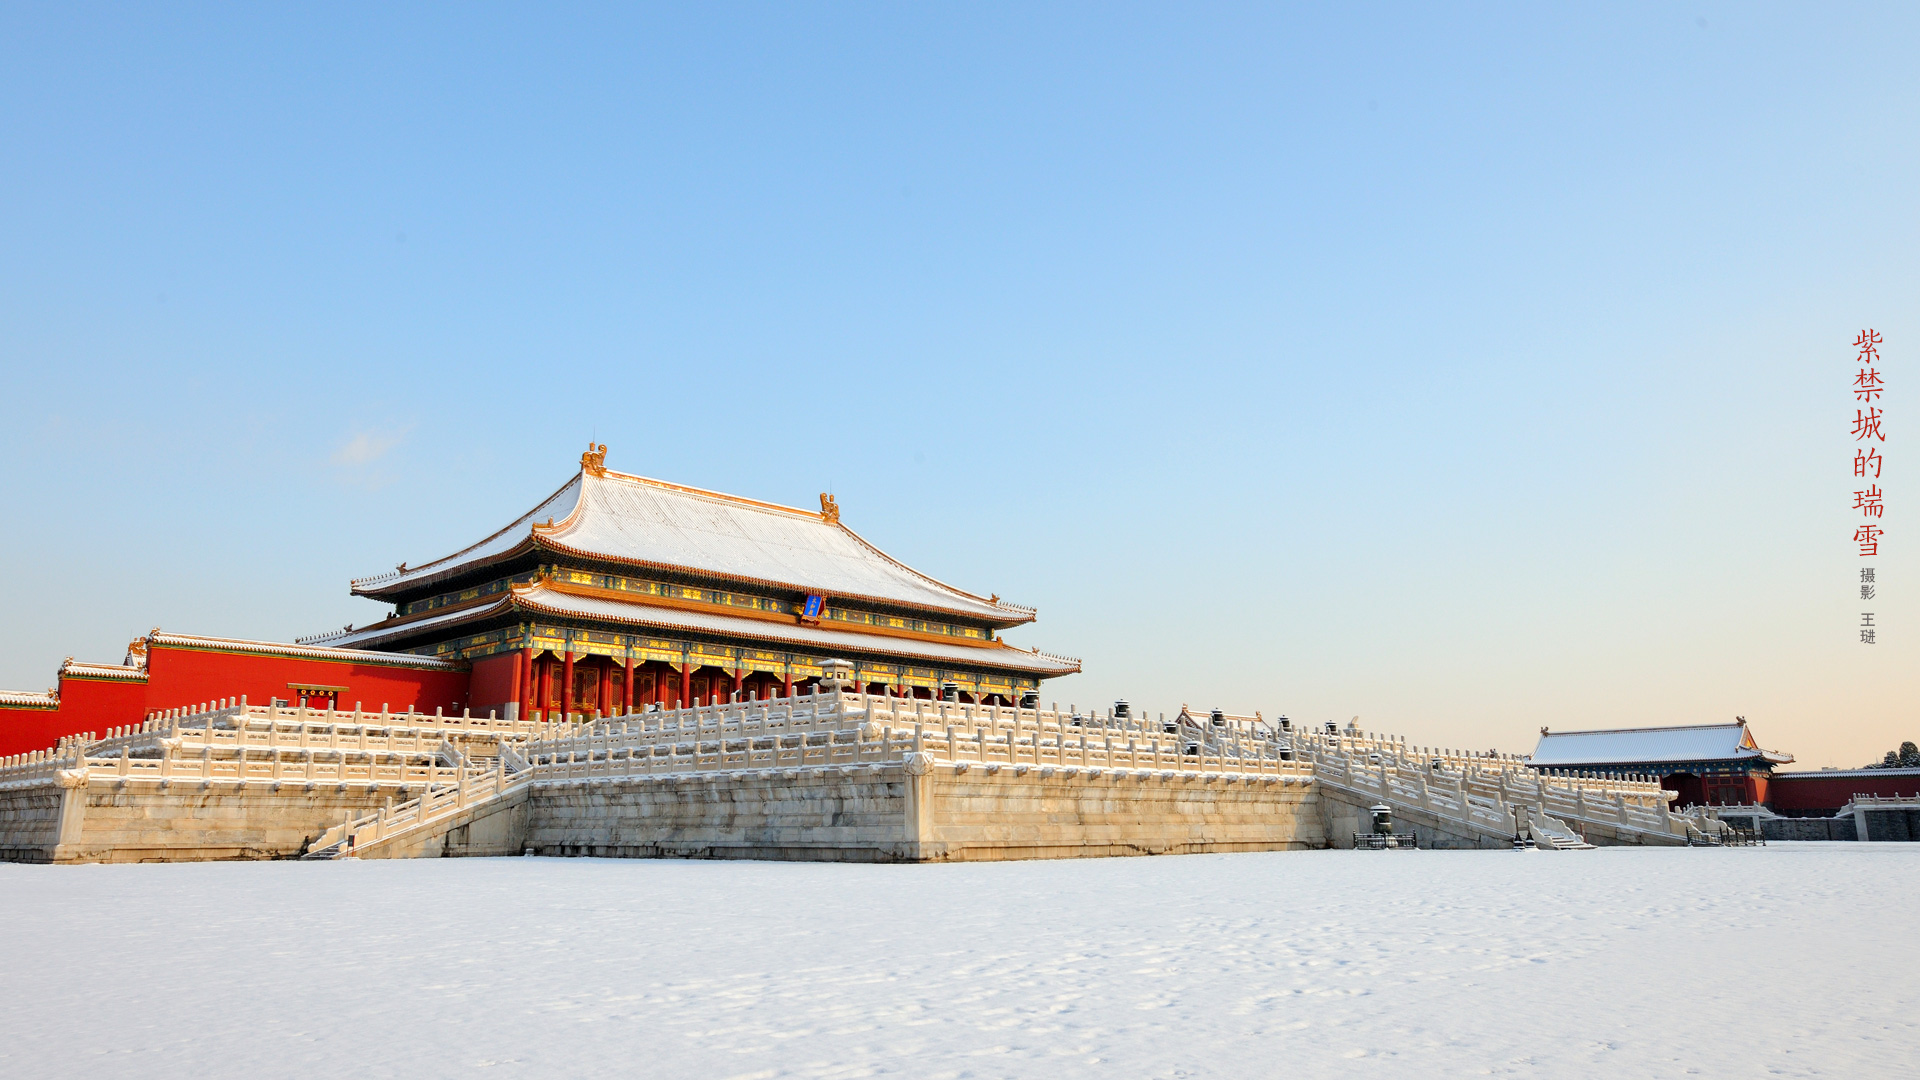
(183, 676)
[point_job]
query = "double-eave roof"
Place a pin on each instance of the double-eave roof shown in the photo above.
(622, 520)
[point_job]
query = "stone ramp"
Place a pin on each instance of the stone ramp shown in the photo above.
(490, 822)
(1484, 800)
(1553, 834)
(425, 825)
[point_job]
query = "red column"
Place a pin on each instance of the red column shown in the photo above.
(513, 682)
(626, 695)
(546, 688)
(566, 688)
(603, 703)
(739, 680)
(787, 691)
(686, 684)
(525, 697)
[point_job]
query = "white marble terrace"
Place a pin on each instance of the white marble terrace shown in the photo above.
(438, 766)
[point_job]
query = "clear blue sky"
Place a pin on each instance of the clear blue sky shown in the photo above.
(1463, 369)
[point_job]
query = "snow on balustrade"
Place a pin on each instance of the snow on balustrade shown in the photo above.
(40, 767)
(840, 728)
(224, 710)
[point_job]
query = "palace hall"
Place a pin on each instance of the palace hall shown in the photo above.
(617, 592)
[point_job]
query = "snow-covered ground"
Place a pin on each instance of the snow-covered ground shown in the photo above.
(1792, 960)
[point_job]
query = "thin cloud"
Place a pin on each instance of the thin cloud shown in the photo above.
(367, 447)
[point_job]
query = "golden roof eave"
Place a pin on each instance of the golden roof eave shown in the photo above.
(548, 543)
(526, 603)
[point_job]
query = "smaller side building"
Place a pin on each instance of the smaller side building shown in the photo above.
(1704, 764)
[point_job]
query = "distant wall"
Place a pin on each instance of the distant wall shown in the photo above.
(1793, 828)
(1825, 792)
(1783, 828)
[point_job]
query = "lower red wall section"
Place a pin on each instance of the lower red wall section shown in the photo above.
(181, 677)
(492, 684)
(185, 677)
(23, 731)
(81, 698)
(1818, 791)
(85, 705)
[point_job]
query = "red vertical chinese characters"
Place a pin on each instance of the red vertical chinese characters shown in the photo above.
(1868, 500)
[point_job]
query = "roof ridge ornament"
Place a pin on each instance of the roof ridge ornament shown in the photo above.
(829, 510)
(594, 461)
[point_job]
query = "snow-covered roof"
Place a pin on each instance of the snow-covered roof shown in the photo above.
(305, 652)
(26, 699)
(1699, 742)
(394, 627)
(74, 669)
(544, 599)
(558, 506)
(620, 518)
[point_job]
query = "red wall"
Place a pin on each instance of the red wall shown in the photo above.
(85, 705)
(1817, 791)
(180, 677)
(493, 682)
(183, 677)
(26, 730)
(84, 699)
